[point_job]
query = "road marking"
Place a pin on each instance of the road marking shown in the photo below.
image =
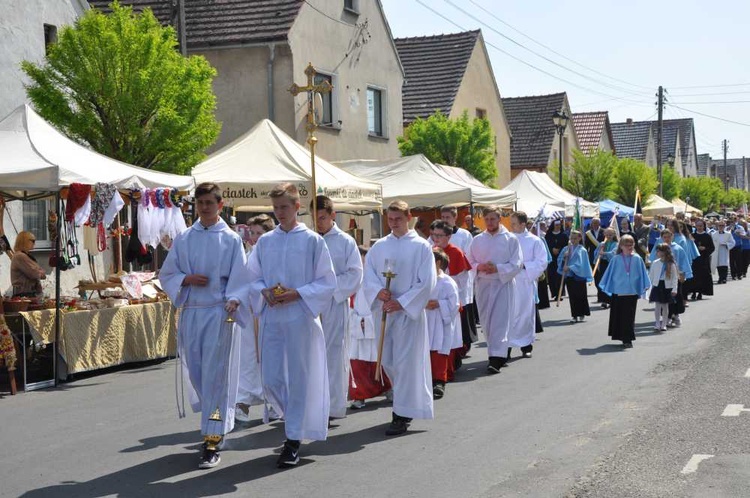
(734, 410)
(747, 374)
(693, 463)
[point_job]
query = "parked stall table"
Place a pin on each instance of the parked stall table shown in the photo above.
(101, 338)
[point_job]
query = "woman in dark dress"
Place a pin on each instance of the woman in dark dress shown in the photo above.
(703, 282)
(557, 240)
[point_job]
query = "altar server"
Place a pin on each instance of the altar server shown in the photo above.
(534, 253)
(250, 390)
(335, 317)
(625, 280)
(291, 269)
(496, 256)
(724, 243)
(406, 350)
(204, 275)
(442, 322)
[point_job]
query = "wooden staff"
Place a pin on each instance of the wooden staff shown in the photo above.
(562, 281)
(257, 353)
(378, 366)
(596, 265)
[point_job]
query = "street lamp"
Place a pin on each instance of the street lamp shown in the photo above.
(561, 122)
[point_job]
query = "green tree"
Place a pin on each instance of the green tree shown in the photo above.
(705, 193)
(468, 144)
(735, 198)
(591, 177)
(630, 175)
(671, 183)
(117, 84)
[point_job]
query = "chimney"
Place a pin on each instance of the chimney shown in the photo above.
(629, 121)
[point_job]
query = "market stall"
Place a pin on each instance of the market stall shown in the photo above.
(88, 189)
(481, 195)
(658, 206)
(248, 168)
(683, 207)
(535, 190)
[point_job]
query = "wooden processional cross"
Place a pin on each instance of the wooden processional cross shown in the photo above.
(311, 88)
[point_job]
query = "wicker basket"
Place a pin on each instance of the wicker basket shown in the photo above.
(10, 306)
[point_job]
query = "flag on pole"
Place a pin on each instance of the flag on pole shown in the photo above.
(614, 224)
(577, 216)
(637, 206)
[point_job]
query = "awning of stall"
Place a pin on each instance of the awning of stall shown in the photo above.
(481, 194)
(658, 206)
(36, 157)
(248, 168)
(413, 179)
(535, 190)
(607, 209)
(684, 207)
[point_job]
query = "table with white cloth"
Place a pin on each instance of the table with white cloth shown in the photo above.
(100, 338)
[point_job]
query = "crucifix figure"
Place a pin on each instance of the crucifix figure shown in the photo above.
(311, 88)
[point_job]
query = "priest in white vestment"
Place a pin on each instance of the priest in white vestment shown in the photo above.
(723, 242)
(292, 284)
(496, 256)
(205, 277)
(406, 354)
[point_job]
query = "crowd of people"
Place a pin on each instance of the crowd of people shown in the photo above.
(309, 325)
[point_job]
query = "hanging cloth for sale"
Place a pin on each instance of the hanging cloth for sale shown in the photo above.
(78, 195)
(135, 250)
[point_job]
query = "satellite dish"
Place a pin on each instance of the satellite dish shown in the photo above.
(318, 108)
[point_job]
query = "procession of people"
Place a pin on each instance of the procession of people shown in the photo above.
(309, 325)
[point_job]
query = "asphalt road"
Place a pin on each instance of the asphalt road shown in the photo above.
(582, 418)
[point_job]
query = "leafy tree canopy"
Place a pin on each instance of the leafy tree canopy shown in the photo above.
(735, 198)
(704, 193)
(672, 183)
(592, 176)
(117, 84)
(468, 144)
(630, 175)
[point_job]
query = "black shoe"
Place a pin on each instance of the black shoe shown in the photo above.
(289, 455)
(397, 426)
(700, 297)
(627, 345)
(209, 458)
(492, 369)
(605, 306)
(438, 390)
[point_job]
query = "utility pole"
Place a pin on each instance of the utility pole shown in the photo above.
(659, 134)
(725, 147)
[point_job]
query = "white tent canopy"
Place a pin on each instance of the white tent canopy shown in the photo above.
(480, 193)
(535, 190)
(659, 206)
(36, 157)
(413, 179)
(248, 168)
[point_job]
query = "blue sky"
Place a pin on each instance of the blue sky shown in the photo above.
(622, 50)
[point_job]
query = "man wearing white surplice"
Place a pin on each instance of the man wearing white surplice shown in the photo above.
(293, 281)
(496, 256)
(335, 317)
(406, 351)
(534, 254)
(205, 276)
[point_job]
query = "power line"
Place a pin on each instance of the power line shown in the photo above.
(716, 102)
(551, 61)
(554, 51)
(597, 92)
(329, 17)
(710, 86)
(710, 116)
(710, 94)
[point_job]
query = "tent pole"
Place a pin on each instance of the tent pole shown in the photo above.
(57, 288)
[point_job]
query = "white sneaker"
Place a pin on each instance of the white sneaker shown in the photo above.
(357, 404)
(677, 321)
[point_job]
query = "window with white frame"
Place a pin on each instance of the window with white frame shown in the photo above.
(35, 221)
(376, 111)
(329, 114)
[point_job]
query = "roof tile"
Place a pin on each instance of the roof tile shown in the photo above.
(532, 129)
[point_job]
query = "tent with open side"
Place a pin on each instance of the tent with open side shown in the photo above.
(481, 194)
(535, 190)
(37, 161)
(683, 207)
(607, 208)
(248, 168)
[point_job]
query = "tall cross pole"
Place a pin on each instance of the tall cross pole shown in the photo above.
(311, 88)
